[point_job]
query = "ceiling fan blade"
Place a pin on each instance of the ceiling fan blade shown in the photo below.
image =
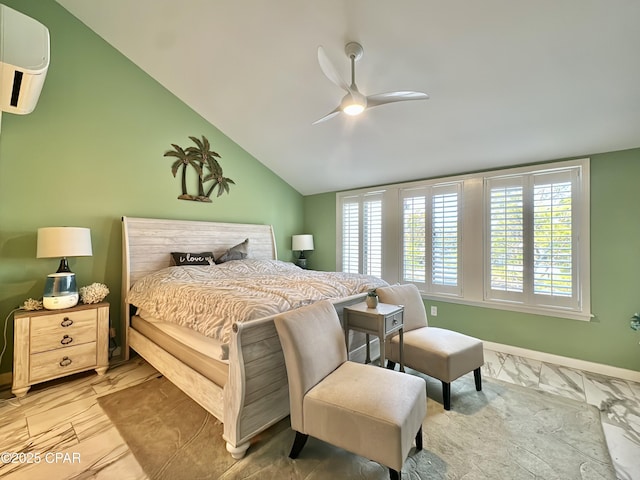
(390, 97)
(328, 116)
(330, 71)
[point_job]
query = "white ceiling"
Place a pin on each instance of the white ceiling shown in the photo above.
(510, 81)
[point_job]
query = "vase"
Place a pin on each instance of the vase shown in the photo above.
(372, 302)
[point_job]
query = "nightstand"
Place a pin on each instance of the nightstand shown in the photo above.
(383, 321)
(51, 344)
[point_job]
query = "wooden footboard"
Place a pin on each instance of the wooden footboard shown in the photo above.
(257, 394)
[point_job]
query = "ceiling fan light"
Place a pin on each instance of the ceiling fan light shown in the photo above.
(353, 103)
(353, 109)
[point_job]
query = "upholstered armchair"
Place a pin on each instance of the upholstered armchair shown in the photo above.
(437, 352)
(369, 411)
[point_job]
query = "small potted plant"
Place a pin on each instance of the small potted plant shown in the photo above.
(372, 299)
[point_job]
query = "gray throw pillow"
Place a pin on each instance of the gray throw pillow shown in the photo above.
(238, 252)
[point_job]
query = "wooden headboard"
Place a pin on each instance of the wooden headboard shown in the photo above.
(147, 244)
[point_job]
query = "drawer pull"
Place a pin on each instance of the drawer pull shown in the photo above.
(66, 340)
(395, 321)
(65, 361)
(66, 322)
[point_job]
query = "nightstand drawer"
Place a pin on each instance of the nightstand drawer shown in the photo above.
(57, 363)
(393, 322)
(62, 330)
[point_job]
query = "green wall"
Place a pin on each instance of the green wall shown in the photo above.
(320, 220)
(615, 276)
(92, 151)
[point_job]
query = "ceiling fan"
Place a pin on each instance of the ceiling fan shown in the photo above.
(354, 102)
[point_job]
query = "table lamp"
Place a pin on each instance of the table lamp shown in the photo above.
(61, 290)
(300, 243)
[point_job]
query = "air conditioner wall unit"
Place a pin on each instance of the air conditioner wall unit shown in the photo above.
(24, 61)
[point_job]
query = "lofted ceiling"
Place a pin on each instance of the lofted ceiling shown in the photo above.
(510, 81)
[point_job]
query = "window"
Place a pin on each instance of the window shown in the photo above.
(506, 239)
(414, 230)
(350, 235)
(531, 254)
(514, 239)
(362, 234)
(430, 237)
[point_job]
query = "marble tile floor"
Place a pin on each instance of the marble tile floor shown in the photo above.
(64, 418)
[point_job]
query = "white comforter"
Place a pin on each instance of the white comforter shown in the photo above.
(209, 299)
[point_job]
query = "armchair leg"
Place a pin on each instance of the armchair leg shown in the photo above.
(394, 474)
(446, 395)
(391, 365)
(478, 378)
(298, 444)
(419, 439)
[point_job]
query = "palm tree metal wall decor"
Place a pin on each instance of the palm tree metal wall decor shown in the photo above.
(200, 157)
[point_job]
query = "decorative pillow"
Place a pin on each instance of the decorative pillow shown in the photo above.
(238, 252)
(185, 258)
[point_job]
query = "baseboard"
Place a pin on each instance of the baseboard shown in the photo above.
(592, 367)
(359, 354)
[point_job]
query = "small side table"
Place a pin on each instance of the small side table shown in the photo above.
(382, 321)
(51, 344)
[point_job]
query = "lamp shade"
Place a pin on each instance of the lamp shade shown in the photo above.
(64, 242)
(301, 242)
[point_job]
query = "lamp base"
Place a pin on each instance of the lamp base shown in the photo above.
(64, 266)
(302, 260)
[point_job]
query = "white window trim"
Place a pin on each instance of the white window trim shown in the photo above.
(472, 249)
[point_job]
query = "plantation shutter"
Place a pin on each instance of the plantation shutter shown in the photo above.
(414, 241)
(532, 245)
(362, 234)
(351, 235)
(431, 238)
(506, 238)
(445, 239)
(554, 243)
(372, 235)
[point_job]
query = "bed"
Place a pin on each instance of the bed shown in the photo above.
(244, 383)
